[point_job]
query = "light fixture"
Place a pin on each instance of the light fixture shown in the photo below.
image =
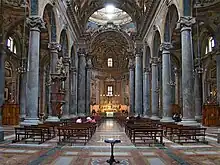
(110, 8)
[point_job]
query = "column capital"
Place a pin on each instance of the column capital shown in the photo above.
(176, 70)
(73, 69)
(147, 70)
(54, 46)
(131, 63)
(199, 70)
(138, 48)
(166, 46)
(81, 52)
(66, 60)
(186, 22)
(154, 60)
(89, 63)
(35, 22)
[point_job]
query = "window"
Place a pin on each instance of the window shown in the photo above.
(110, 91)
(11, 45)
(110, 62)
(210, 45)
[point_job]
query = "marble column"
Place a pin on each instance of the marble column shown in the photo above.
(2, 86)
(146, 91)
(176, 73)
(166, 82)
(23, 89)
(66, 106)
(88, 85)
(198, 94)
(131, 86)
(155, 89)
(218, 77)
(187, 71)
(54, 47)
(122, 90)
(73, 106)
(101, 91)
(36, 24)
(138, 83)
(82, 83)
(97, 91)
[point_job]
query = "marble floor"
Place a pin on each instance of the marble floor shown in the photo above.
(96, 152)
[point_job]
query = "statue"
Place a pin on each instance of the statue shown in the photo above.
(60, 69)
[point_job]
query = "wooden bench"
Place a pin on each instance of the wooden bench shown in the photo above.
(29, 132)
(144, 132)
(190, 135)
(147, 135)
(76, 132)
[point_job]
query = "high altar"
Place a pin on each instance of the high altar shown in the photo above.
(110, 109)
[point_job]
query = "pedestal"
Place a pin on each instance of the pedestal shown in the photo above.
(52, 119)
(30, 121)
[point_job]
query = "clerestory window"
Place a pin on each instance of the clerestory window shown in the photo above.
(210, 45)
(110, 62)
(11, 45)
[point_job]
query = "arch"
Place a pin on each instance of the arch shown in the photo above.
(205, 33)
(49, 15)
(17, 39)
(64, 44)
(117, 3)
(121, 32)
(156, 44)
(170, 23)
(73, 56)
(109, 44)
(146, 59)
(148, 55)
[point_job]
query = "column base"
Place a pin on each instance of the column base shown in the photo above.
(72, 116)
(52, 119)
(155, 118)
(81, 114)
(30, 121)
(1, 134)
(63, 117)
(167, 120)
(22, 117)
(146, 116)
(198, 118)
(189, 122)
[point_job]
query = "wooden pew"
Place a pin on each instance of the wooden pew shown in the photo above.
(190, 135)
(74, 133)
(147, 136)
(29, 132)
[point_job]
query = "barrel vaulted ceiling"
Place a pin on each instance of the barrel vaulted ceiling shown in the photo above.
(140, 11)
(112, 44)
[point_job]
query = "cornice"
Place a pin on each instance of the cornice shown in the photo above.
(74, 20)
(148, 18)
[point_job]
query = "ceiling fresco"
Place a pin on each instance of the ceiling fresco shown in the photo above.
(135, 10)
(110, 45)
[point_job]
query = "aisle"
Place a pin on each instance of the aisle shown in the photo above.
(109, 129)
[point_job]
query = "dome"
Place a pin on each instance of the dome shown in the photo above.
(110, 14)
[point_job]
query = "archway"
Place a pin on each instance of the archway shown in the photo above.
(109, 89)
(48, 35)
